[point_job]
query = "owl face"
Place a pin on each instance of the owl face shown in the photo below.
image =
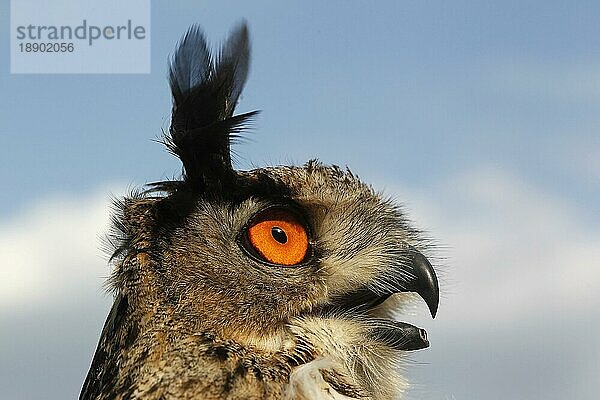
(288, 243)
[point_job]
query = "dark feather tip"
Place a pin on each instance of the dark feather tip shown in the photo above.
(205, 89)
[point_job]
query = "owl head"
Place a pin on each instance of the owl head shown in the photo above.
(277, 259)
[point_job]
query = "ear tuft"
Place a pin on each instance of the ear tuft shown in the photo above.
(205, 92)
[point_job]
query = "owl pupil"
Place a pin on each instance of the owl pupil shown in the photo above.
(279, 235)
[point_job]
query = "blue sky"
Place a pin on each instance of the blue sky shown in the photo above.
(481, 117)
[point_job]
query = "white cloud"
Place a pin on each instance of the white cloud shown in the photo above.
(51, 252)
(513, 250)
(521, 280)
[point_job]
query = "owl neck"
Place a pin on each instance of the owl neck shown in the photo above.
(141, 347)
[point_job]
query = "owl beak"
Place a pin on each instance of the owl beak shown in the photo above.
(423, 281)
(400, 335)
(417, 275)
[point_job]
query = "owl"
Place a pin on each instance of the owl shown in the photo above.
(271, 283)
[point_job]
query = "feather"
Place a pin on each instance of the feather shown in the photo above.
(205, 91)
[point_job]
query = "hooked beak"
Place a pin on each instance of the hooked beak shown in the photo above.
(414, 274)
(424, 281)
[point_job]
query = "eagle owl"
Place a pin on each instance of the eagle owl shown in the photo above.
(262, 284)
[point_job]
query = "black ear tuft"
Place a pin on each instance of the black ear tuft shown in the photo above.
(205, 92)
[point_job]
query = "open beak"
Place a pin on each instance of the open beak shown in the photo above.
(413, 274)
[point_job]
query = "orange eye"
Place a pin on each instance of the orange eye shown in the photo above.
(279, 237)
